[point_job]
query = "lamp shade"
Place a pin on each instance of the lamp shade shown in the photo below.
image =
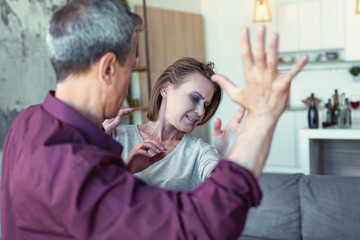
(262, 11)
(357, 6)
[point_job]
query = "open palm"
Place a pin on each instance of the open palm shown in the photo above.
(224, 140)
(266, 90)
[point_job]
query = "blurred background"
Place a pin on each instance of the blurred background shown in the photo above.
(326, 30)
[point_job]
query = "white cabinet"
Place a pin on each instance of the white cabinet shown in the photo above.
(287, 26)
(309, 25)
(284, 152)
(332, 21)
(352, 32)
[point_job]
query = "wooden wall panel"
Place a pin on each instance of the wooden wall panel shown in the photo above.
(171, 35)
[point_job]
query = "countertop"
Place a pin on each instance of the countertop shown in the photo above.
(331, 133)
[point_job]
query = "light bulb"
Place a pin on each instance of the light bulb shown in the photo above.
(261, 8)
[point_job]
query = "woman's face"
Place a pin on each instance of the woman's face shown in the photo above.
(186, 104)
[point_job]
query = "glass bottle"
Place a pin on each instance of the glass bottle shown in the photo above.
(327, 115)
(329, 119)
(342, 117)
(348, 112)
(313, 116)
(336, 108)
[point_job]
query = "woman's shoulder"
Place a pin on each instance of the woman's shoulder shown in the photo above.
(126, 131)
(197, 142)
(126, 127)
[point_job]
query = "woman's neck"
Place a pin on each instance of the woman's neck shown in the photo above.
(162, 131)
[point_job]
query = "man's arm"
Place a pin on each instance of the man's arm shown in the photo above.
(264, 94)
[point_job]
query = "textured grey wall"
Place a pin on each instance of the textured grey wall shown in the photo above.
(25, 70)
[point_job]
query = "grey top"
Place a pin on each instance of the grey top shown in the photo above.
(183, 169)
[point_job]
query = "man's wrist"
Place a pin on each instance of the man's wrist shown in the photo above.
(252, 145)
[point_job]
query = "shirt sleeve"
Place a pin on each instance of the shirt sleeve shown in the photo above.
(207, 161)
(110, 203)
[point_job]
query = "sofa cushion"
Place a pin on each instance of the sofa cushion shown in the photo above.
(278, 215)
(330, 207)
(253, 238)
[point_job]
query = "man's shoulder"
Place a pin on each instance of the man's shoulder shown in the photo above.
(29, 111)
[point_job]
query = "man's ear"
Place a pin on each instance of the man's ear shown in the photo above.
(164, 90)
(107, 68)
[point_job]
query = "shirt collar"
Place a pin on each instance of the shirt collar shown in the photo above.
(94, 134)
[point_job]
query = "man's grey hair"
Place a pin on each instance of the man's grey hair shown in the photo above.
(82, 31)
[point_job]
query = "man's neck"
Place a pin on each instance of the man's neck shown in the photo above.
(78, 94)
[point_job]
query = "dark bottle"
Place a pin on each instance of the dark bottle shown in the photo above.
(313, 116)
(329, 116)
(336, 108)
(329, 113)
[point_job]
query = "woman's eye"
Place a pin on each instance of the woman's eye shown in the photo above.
(194, 98)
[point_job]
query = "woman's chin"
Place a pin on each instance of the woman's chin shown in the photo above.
(188, 129)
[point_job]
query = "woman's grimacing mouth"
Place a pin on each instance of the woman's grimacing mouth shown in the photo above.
(192, 119)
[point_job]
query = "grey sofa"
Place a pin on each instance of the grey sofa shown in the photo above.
(297, 206)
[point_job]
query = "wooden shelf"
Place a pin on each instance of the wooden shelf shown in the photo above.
(140, 69)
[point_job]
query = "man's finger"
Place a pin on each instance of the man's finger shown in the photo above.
(225, 84)
(297, 66)
(245, 49)
(272, 56)
(259, 50)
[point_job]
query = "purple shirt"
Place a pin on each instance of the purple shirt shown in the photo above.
(63, 178)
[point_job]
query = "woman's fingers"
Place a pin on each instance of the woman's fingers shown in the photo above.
(157, 157)
(142, 152)
(125, 111)
(239, 114)
(154, 146)
(217, 127)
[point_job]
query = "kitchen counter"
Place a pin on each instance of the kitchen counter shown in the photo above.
(309, 144)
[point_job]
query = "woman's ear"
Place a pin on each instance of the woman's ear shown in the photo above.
(164, 91)
(107, 68)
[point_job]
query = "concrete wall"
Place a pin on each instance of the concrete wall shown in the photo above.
(25, 71)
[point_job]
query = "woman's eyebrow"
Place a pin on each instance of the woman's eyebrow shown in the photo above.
(199, 95)
(207, 102)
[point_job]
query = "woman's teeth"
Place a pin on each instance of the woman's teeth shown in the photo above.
(190, 118)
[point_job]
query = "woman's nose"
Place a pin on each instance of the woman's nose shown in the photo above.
(200, 110)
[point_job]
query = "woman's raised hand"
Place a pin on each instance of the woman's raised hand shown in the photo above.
(224, 140)
(144, 154)
(110, 124)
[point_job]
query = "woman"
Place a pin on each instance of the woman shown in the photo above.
(182, 98)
